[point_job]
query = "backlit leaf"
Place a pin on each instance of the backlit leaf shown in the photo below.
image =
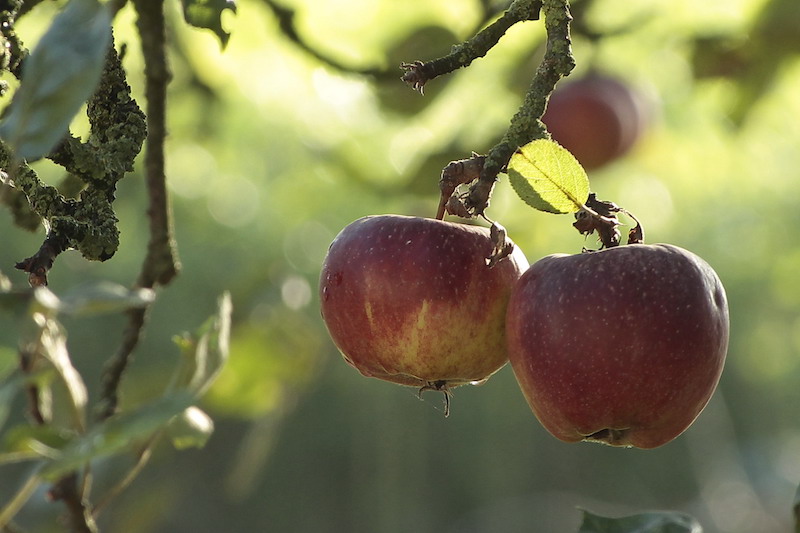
(8, 389)
(59, 75)
(208, 14)
(103, 297)
(51, 343)
(117, 434)
(549, 178)
(190, 429)
(654, 522)
(15, 383)
(27, 437)
(204, 353)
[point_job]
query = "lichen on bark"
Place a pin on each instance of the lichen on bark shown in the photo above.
(86, 223)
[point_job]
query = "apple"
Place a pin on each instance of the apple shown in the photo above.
(623, 346)
(597, 118)
(412, 300)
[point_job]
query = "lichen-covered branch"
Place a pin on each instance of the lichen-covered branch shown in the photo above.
(88, 223)
(419, 73)
(526, 125)
(11, 51)
(17, 203)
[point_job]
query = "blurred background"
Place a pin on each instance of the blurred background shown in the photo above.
(276, 145)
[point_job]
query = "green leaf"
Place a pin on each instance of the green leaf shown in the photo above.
(9, 361)
(27, 437)
(654, 522)
(204, 353)
(27, 302)
(103, 297)
(190, 429)
(9, 389)
(59, 75)
(15, 383)
(52, 345)
(16, 302)
(207, 14)
(117, 434)
(549, 178)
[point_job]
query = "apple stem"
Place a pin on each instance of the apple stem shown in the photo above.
(453, 175)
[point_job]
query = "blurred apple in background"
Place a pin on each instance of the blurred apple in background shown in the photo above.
(597, 118)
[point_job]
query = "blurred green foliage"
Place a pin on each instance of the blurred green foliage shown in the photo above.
(271, 153)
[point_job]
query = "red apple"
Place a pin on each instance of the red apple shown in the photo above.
(597, 118)
(412, 301)
(624, 346)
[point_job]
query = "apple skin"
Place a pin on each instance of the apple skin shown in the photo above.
(411, 300)
(623, 346)
(597, 118)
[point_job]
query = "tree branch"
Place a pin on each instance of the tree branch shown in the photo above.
(67, 490)
(419, 73)
(161, 264)
(88, 223)
(287, 26)
(526, 125)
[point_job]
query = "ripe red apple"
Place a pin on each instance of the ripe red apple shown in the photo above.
(597, 118)
(412, 301)
(624, 346)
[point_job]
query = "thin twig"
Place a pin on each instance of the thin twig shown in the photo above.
(286, 24)
(115, 367)
(418, 73)
(27, 360)
(12, 507)
(161, 264)
(133, 473)
(67, 489)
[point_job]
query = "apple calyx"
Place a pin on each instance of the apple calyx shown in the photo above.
(601, 216)
(442, 386)
(610, 436)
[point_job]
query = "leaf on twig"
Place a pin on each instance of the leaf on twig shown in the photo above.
(44, 440)
(205, 352)
(103, 297)
(8, 389)
(190, 429)
(60, 74)
(117, 434)
(653, 522)
(549, 178)
(207, 14)
(51, 343)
